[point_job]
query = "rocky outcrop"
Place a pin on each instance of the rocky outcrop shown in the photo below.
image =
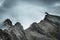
(8, 22)
(46, 29)
(16, 31)
(51, 25)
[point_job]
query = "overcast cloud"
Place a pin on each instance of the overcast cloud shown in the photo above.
(27, 11)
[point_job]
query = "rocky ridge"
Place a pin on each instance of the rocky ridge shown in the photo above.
(46, 29)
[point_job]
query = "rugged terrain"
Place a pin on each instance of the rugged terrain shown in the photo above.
(46, 29)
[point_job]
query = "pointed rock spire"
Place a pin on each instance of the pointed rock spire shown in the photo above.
(7, 21)
(46, 16)
(34, 25)
(47, 13)
(18, 24)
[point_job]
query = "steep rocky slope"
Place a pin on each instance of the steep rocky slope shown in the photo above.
(46, 29)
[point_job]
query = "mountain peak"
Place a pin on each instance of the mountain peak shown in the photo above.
(18, 23)
(35, 27)
(8, 21)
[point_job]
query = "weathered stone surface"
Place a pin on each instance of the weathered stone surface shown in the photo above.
(4, 35)
(7, 21)
(46, 29)
(51, 25)
(16, 31)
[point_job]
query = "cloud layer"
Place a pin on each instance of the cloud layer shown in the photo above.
(27, 11)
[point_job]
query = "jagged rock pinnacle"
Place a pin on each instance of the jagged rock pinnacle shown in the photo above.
(7, 21)
(17, 23)
(47, 13)
(47, 29)
(35, 27)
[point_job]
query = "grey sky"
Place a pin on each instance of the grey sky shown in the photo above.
(27, 11)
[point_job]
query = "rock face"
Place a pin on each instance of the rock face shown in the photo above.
(46, 29)
(4, 35)
(16, 31)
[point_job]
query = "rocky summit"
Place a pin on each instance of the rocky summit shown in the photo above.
(46, 29)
